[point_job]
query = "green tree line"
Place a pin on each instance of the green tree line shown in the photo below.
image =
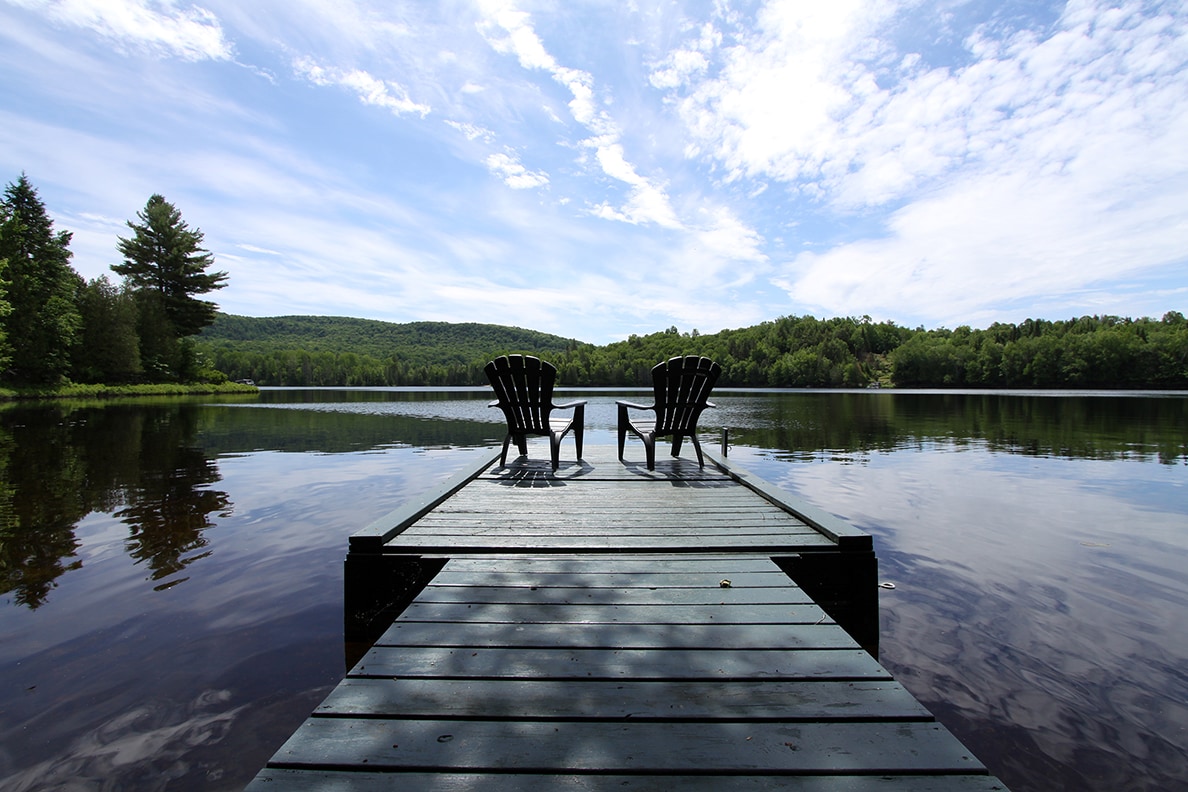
(1089, 352)
(790, 352)
(57, 328)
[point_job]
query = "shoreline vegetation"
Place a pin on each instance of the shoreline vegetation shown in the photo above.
(90, 391)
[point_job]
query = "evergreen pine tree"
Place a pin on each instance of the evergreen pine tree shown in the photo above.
(165, 265)
(43, 321)
(108, 350)
(5, 310)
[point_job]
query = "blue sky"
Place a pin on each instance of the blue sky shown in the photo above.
(597, 168)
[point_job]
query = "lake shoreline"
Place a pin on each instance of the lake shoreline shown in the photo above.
(123, 391)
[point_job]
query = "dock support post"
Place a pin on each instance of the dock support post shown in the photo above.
(845, 585)
(377, 587)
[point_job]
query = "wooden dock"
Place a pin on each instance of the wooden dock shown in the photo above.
(607, 627)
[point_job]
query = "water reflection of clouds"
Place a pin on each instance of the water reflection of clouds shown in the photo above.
(1048, 589)
(158, 738)
(459, 410)
(952, 506)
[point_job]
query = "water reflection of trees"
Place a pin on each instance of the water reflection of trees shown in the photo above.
(60, 462)
(1086, 427)
(170, 506)
(41, 498)
(247, 429)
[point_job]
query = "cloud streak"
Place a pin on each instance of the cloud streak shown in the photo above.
(191, 32)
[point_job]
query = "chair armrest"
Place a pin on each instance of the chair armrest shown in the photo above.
(636, 406)
(493, 403)
(569, 405)
(710, 404)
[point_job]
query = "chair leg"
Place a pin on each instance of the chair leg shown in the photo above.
(622, 430)
(579, 428)
(503, 456)
(697, 447)
(676, 444)
(650, 450)
(555, 449)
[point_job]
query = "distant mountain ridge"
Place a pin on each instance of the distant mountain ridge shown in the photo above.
(440, 343)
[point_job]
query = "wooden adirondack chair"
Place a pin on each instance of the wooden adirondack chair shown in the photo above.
(682, 386)
(524, 389)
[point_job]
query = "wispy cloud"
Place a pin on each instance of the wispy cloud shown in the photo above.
(515, 175)
(370, 89)
(510, 31)
(162, 28)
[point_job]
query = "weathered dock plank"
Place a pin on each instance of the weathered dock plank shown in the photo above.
(739, 637)
(617, 664)
(560, 592)
(534, 746)
(336, 781)
(612, 613)
(511, 672)
(785, 701)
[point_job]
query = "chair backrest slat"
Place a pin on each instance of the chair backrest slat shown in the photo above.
(524, 387)
(682, 386)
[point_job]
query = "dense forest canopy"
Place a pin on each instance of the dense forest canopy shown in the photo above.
(1088, 352)
(56, 328)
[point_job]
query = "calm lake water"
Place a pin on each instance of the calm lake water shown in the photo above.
(172, 570)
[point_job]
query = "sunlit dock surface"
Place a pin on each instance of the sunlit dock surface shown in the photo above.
(608, 627)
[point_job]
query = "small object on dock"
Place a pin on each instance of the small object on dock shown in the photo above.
(725, 583)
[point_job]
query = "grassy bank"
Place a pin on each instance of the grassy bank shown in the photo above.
(117, 391)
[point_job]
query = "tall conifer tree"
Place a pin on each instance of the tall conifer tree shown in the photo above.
(166, 266)
(166, 257)
(42, 321)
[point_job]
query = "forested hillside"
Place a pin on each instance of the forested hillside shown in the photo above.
(331, 350)
(1089, 352)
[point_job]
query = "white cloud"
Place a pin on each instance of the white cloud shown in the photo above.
(686, 63)
(472, 131)
(257, 249)
(510, 31)
(1047, 163)
(514, 174)
(192, 32)
(370, 89)
(771, 107)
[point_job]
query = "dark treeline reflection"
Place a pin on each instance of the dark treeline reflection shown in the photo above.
(152, 465)
(63, 461)
(1093, 426)
(331, 422)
